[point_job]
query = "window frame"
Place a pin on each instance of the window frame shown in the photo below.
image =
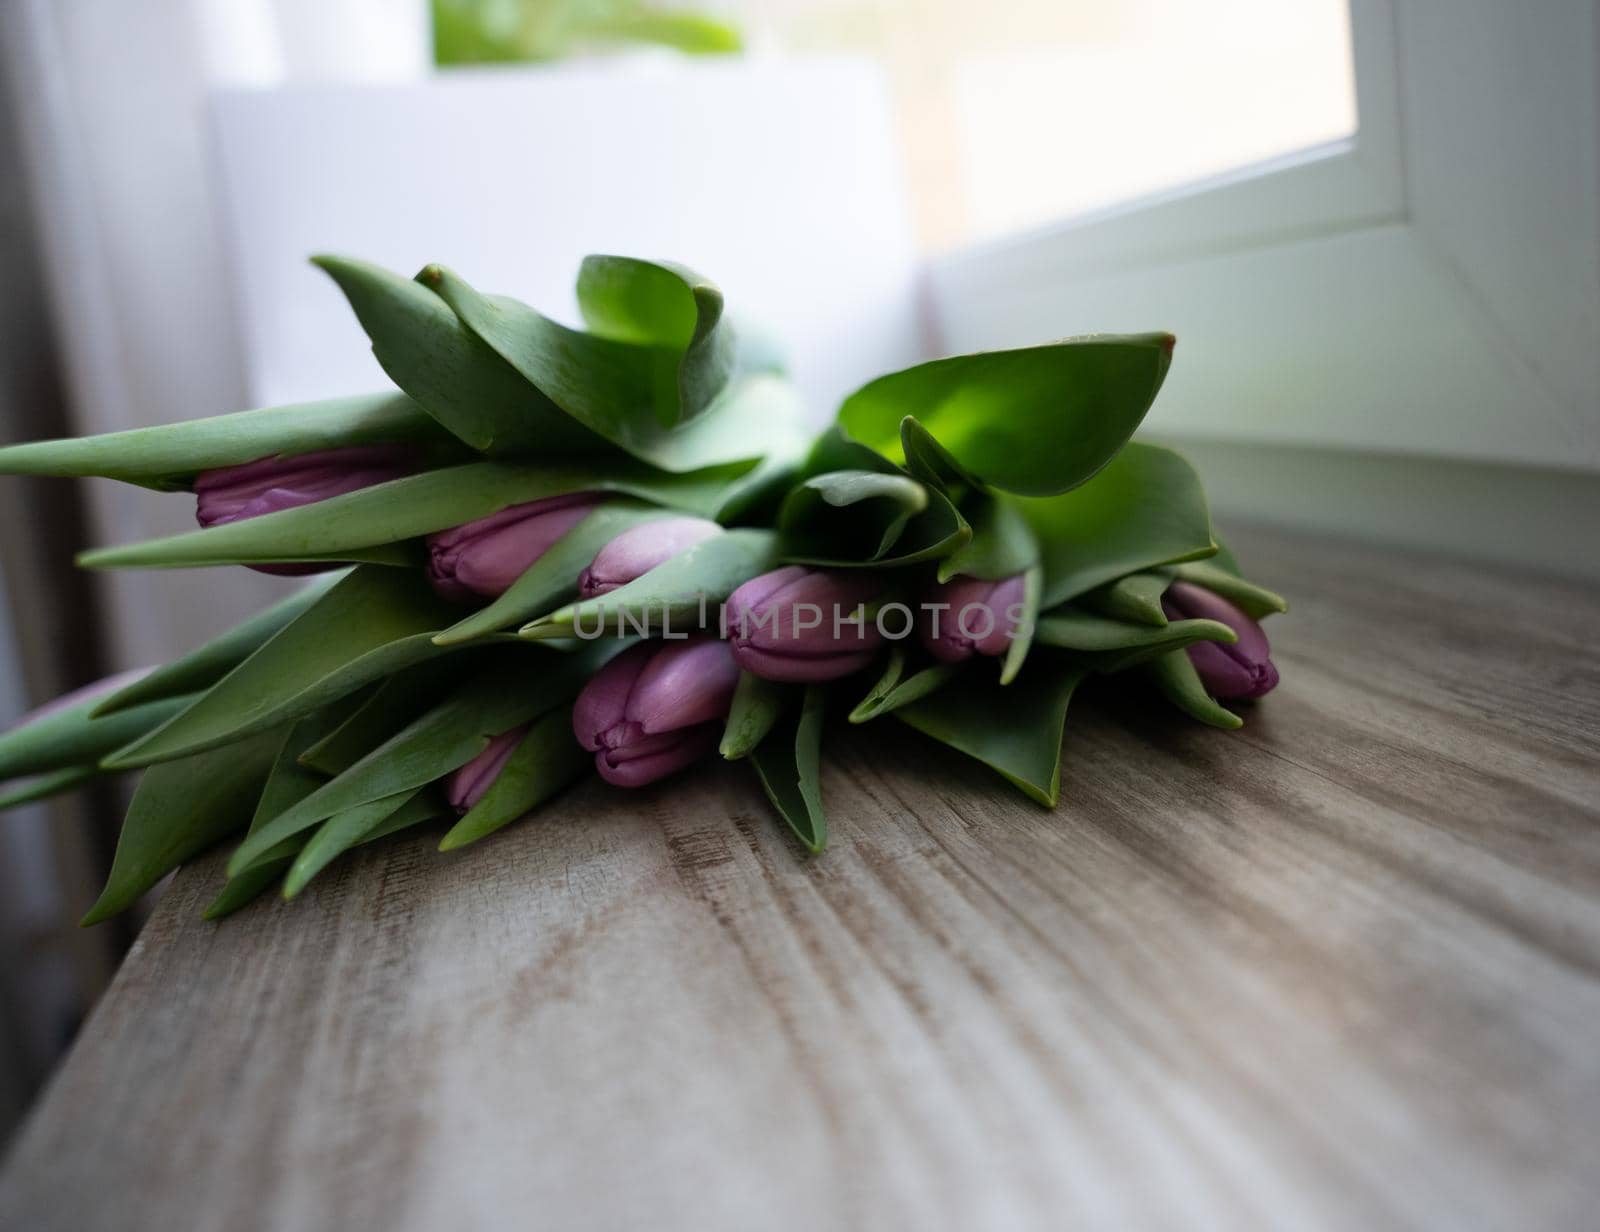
(1429, 285)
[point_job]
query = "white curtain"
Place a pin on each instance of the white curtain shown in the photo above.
(114, 212)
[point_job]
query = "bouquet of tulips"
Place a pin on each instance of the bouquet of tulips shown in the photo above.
(618, 547)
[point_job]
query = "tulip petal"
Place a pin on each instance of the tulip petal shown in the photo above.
(466, 784)
(1241, 670)
(676, 597)
(800, 669)
(640, 549)
(810, 613)
(683, 684)
(975, 617)
(485, 556)
(272, 484)
(545, 762)
(756, 591)
(680, 749)
(603, 703)
(1228, 677)
(1005, 596)
(489, 566)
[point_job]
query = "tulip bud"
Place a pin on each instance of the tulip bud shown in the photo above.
(467, 785)
(970, 616)
(640, 549)
(484, 556)
(272, 484)
(655, 708)
(1238, 671)
(799, 624)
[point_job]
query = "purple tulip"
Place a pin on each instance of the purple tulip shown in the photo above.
(268, 485)
(483, 557)
(1229, 672)
(640, 549)
(655, 708)
(803, 624)
(969, 616)
(466, 786)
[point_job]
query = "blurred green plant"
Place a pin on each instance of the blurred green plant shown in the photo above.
(513, 31)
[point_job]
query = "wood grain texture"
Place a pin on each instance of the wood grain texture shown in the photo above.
(1338, 970)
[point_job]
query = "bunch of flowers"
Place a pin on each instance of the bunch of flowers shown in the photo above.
(617, 547)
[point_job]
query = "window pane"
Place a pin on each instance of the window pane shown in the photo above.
(1018, 113)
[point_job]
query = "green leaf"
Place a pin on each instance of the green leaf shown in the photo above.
(859, 514)
(1016, 730)
(406, 508)
(426, 806)
(451, 372)
(789, 766)
(169, 456)
(895, 689)
(395, 702)
(935, 533)
(757, 706)
(1256, 602)
(523, 683)
(1146, 508)
(932, 463)
(479, 31)
(1039, 420)
(553, 578)
(287, 782)
(692, 33)
(73, 737)
(1109, 646)
(678, 595)
(758, 416)
(547, 760)
(835, 450)
(1027, 629)
(291, 780)
(178, 810)
(371, 624)
(345, 830)
(202, 668)
(674, 316)
(611, 387)
(239, 892)
(1136, 597)
(1002, 543)
(892, 669)
(1175, 676)
(755, 496)
(46, 785)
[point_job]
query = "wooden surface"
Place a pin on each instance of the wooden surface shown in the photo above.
(1338, 970)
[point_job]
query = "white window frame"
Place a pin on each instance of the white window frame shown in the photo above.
(1430, 285)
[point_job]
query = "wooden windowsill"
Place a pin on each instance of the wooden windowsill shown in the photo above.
(1339, 969)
